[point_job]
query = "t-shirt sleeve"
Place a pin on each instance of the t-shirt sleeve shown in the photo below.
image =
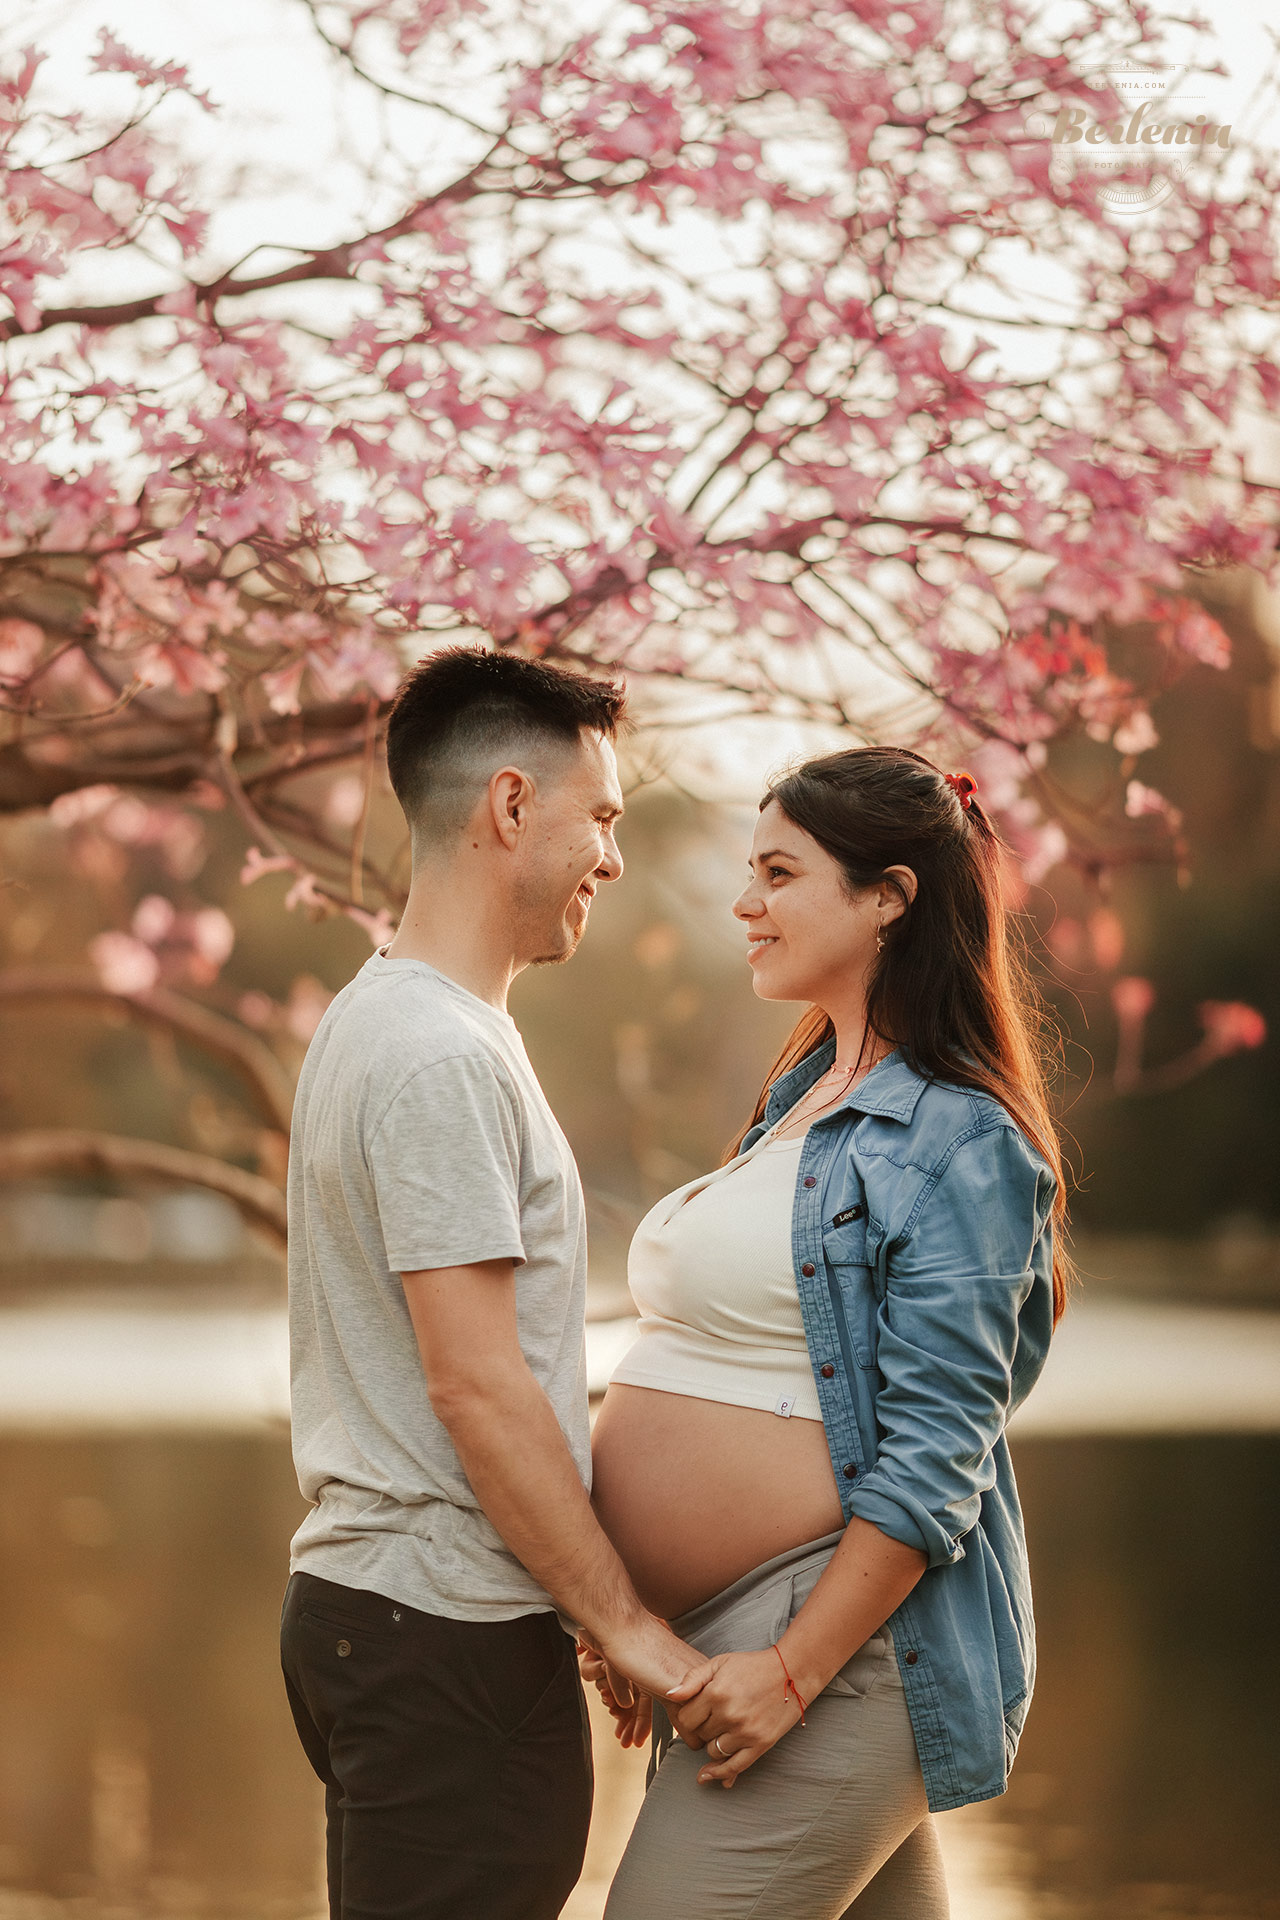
(445, 1162)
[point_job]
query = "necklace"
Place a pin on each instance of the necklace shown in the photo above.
(835, 1069)
(798, 1110)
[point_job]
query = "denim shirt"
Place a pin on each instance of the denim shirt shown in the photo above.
(923, 1253)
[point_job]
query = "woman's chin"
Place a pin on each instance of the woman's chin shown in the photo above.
(775, 986)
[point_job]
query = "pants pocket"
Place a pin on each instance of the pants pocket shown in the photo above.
(861, 1670)
(859, 1673)
(521, 1667)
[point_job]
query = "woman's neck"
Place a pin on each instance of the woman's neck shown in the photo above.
(853, 1039)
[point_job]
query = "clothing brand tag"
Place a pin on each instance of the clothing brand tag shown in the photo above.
(785, 1403)
(850, 1213)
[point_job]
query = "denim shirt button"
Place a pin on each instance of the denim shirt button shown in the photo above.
(828, 1371)
(808, 1269)
(811, 1180)
(850, 1471)
(911, 1657)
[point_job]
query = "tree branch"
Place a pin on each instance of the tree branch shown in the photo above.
(70, 1152)
(222, 1039)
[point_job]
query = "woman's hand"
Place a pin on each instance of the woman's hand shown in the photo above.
(740, 1712)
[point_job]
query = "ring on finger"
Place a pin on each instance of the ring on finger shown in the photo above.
(719, 1749)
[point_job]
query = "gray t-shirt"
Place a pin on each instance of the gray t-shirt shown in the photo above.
(420, 1138)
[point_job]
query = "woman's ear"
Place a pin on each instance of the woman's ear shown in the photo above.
(889, 896)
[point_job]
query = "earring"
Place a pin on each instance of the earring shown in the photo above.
(879, 939)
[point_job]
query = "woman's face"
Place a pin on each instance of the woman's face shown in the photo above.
(807, 938)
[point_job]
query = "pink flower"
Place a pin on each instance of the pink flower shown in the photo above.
(1230, 1025)
(212, 935)
(1106, 932)
(84, 803)
(1132, 997)
(124, 964)
(21, 644)
(306, 1006)
(1140, 800)
(1064, 938)
(153, 919)
(114, 57)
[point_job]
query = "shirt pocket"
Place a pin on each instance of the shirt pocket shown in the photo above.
(845, 1248)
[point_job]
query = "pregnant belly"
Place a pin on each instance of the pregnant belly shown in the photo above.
(694, 1494)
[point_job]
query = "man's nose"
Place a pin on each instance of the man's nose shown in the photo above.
(610, 867)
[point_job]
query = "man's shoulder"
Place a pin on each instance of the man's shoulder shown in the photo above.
(400, 1024)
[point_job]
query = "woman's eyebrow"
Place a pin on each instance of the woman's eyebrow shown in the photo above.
(775, 853)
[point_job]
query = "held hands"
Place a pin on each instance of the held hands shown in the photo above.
(630, 1708)
(631, 1666)
(742, 1710)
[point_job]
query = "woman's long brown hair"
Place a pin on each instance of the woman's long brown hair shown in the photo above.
(951, 989)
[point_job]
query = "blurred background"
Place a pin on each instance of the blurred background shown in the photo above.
(146, 1489)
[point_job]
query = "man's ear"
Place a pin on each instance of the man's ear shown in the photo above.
(510, 798)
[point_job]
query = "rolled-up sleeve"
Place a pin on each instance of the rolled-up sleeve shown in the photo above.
(948, 1334)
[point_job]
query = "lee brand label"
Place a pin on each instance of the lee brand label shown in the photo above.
(850, 1213)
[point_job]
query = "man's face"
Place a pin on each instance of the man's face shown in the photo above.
(570, 852)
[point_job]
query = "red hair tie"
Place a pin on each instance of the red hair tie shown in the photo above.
(963, 785)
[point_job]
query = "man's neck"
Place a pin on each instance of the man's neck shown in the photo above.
(460, 937)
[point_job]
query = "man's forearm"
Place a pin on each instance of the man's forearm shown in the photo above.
(522, 1473)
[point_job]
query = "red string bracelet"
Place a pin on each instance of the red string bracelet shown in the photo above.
(791, 1686)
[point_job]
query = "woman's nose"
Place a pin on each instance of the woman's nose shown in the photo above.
(746, 906)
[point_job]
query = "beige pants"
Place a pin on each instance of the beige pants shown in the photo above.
(831, 1822)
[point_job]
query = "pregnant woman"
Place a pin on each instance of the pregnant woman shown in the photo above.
(802, 1457)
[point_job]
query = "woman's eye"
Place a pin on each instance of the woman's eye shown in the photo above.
(774, 871)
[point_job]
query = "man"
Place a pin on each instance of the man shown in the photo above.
(437, 1279)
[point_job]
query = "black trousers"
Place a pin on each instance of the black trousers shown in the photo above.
(455, 1755)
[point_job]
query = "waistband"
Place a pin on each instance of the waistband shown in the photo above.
(752, 1613)
(793, 1561)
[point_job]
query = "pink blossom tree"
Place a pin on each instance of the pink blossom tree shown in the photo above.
(755, 352)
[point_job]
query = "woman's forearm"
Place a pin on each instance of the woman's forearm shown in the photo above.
(867, 1578)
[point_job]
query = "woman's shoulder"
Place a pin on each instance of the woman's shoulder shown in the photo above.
(947, 1116)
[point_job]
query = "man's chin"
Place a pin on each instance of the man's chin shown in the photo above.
(569, 939)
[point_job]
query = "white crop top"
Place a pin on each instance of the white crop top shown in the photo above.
(710, 1270)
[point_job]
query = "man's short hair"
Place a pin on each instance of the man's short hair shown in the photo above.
(464, 712)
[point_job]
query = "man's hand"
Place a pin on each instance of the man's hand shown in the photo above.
(654, 1659)
(630, 1709)
(636, 1664)
(741, 1710)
